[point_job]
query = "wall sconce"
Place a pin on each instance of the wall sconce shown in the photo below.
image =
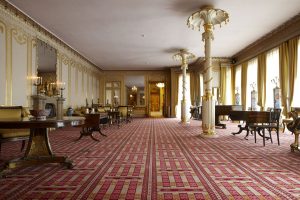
(61, 86)
(37, 81)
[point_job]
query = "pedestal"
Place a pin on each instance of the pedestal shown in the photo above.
(208, 116)
(38, 102)
(277, 97)
(183, 112)
(59, 107)
(253, 100)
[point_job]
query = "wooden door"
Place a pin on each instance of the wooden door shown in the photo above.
(155, 102)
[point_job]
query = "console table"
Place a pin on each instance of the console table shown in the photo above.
(38, 148)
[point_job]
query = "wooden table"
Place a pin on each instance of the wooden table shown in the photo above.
(38, 148)
(239, 115)
(114, 117)
(224, 110)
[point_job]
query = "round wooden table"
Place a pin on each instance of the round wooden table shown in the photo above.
(38, 149)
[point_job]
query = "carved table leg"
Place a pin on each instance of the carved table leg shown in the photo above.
(38, 152)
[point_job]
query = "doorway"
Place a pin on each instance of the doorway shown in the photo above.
(157, 95)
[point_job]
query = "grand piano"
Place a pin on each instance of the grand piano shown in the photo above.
(224, 110)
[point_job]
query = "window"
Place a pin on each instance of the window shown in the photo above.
(228, 98)
(251, 80)
(296, 98)
(238, 81)
(238, 85)
(187, 95)
(201, 88)
(272, 72)
(112, 93)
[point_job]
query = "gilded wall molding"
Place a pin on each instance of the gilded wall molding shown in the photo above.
(8, 96)
(19, 35)
(274, 38)
(2, 27)
(14, 16)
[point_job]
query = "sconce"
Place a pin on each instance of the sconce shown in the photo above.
(37, 81)
(61, 87)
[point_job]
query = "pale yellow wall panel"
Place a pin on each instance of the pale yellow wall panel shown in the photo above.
(2, 64)
(73, 95)
(64, 79)
(80, 94)
(19, 73)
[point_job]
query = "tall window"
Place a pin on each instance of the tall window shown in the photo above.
(296, 98)
(228, 98)
(238, 81)
(187, 95)
(251, 80)
(201, 87)
(272, 73)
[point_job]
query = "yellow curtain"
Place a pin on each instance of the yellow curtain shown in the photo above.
(293, 54)
(261, 80)
(192, 87)
(283, 74)
(244, 85)
(197, 87)
(223, 84)
(233, 84)
(175, 88)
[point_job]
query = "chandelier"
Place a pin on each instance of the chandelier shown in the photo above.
(160, 85)
(134, 88)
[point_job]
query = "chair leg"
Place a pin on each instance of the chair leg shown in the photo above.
(270, 136)
(277, 131)
(23, 145)
(255, 136)
(264, 137)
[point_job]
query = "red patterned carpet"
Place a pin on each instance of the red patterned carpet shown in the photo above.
(159, 159)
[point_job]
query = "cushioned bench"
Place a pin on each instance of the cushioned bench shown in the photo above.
(7, 135)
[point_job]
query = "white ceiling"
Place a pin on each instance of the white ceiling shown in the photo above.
(144, 34)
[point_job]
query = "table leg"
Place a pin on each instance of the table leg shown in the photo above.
(38, 152)
(295, 145)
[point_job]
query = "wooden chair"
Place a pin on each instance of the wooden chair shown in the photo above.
(130, 113)
(123, 113)
(91, 124)
(258, 121)
(9, 135)
(274, 123)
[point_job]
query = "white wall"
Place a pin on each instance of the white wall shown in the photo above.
(18, 62)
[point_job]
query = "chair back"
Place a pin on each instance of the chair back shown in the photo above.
(275, 115)
(123, 111)
(258, 117)
(10, 112)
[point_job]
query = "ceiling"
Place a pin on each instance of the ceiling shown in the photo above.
(143, 35)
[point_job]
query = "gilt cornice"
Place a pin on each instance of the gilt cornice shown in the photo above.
(282, 33)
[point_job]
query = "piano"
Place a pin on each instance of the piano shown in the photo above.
(224, 110)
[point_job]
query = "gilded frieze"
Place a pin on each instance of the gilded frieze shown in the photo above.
(19, 35)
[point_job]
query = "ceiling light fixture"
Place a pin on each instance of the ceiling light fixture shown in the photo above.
(160, 85)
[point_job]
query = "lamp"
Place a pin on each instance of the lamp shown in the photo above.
(134, 88)
(160, 85)
(37, 81)
(61, 87)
